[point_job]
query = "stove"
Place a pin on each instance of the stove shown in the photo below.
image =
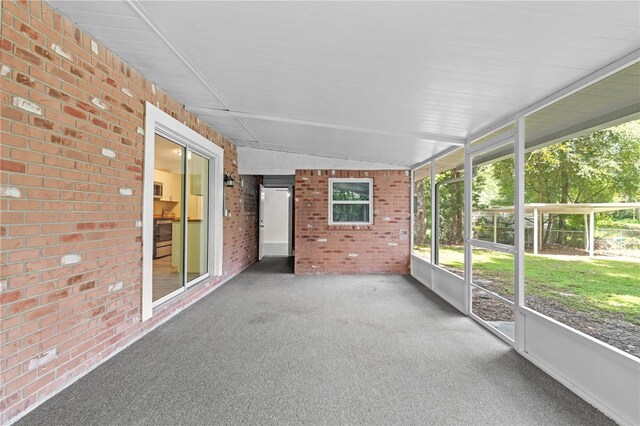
(162, 237)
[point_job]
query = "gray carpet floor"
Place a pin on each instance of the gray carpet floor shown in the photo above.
(270, 347)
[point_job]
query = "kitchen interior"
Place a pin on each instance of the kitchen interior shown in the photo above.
(180, 190)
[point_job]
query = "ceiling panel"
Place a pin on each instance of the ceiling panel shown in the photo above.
(449, 68)
(116, 25)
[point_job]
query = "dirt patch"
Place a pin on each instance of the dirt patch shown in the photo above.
(610, 328)
(607, 327)
(491, 309)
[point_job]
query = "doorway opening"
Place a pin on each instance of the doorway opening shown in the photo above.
(277, 222)
(276, 213)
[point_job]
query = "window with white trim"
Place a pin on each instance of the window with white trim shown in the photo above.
(350, 201)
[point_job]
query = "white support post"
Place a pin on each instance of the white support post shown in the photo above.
(519, 233)
(434, 215)
(535, 231)
(586, 232)
(468, 176)
(495, 227)
(412, 175)
(541, 236)
(592, 228)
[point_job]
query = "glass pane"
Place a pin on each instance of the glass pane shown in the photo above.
(168, 203)
(493, 195)
(351, 191)
(494, 271)
(422, 214)
(584, 273)
(351, 213)
(197, 216)
(495, 312)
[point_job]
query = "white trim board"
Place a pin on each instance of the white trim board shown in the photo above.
(157, 121)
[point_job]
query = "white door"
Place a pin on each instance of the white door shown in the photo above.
(261, 219)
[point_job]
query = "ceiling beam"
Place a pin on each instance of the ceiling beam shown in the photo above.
(425, 136)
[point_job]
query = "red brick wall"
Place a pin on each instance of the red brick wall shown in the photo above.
(383, 247)
(61, 197)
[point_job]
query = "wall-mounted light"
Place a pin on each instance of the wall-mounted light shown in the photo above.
(229, 180)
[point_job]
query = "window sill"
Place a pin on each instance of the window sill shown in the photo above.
(351, 227)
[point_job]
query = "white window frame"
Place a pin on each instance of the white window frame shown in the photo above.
(369, 203)
(157, 121)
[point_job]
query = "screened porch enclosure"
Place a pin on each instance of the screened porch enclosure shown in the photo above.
(533, 228)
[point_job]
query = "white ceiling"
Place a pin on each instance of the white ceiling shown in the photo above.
(384, 82)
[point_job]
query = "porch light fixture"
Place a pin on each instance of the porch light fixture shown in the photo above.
(229, 180)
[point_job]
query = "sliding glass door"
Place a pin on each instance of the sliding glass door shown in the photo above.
(180, 218)
(168, 253)
(197, 216)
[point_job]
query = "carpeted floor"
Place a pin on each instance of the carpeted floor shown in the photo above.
(273, 348)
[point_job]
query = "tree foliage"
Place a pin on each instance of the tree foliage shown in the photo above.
(451, 205)
(599, 167)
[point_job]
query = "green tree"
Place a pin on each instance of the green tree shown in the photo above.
(600, 167)
(422, 213)
(451, 205)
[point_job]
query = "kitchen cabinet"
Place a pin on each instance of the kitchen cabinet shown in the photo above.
(171, 185)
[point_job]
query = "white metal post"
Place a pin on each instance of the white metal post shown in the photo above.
(433, 224)
(412, 175)
(586, 233)
(495, 227)
(592, 228)
(433, 213)
(519, 233)
(541, 226)
(468, 176)
(535, 231)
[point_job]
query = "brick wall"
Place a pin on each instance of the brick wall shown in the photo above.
(383, 247)
(69, 238)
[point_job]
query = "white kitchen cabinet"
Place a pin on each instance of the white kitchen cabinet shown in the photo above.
(171, 185)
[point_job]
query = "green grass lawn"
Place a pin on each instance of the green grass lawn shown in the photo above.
(607, 286)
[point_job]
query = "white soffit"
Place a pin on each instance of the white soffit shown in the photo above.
(337, 143)
(444, 68)
(609, 101)
(253, 161)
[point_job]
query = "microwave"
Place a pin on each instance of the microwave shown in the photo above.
(157, 189)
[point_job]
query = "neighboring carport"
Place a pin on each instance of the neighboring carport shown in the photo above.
(538, 210)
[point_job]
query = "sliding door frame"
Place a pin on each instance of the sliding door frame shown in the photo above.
(158, 122)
